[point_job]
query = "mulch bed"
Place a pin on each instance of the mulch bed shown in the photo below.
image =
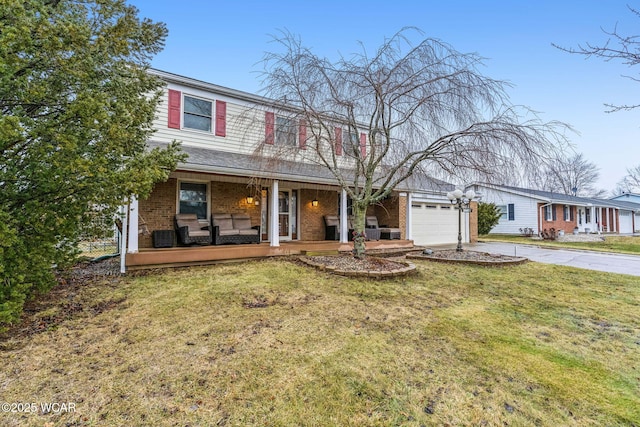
(469, 257)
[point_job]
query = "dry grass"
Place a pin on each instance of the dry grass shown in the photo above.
(276, 343)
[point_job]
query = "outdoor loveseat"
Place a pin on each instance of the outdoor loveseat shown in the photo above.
(332, 229)
(190, 231)
(385, 232)
(234, 228)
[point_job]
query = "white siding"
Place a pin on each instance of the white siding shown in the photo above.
(245, 129)
(525, 210)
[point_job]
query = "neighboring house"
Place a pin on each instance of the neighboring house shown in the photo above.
(543, 210)
(628, 197)
(230, 137)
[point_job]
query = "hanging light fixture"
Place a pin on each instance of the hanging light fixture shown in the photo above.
(250, 200)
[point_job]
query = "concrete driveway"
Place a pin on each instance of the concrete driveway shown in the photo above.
(590, 260)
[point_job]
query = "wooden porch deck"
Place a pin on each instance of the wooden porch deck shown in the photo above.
(198, 255)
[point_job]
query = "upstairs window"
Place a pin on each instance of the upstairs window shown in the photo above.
(285, 131)
(351, 143)
(197, 114)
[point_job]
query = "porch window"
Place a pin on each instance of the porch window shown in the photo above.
(587, 215)
(193, 199)
(285, 131)
(197, 113)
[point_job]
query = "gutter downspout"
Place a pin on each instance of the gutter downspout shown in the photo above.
(541, 217)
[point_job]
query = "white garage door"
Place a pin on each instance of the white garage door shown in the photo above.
(436, 224)
(626, 222)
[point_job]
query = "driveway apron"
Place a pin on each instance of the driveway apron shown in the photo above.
(590, 260)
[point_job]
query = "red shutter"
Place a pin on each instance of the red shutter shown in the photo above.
(339, 141)
(174, 108)
(270, 124)
(302, 134)
(221, 118)
(363, 145)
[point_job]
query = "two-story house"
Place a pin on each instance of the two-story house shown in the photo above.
(246, 155)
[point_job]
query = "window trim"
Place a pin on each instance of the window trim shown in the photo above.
(208, 196)
(211, 116)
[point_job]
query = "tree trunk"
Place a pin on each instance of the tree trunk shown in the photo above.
(358, 223)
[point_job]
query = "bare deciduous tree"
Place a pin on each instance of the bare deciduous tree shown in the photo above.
(406, 109)
(618, 47)
(572, 175)
(630, 183)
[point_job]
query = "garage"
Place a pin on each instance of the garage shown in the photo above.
(436, 223)
(626, 222)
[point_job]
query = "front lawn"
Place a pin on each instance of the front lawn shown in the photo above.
(619, 244)
(276, 343)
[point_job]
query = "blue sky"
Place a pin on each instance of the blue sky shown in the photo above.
(222, 42)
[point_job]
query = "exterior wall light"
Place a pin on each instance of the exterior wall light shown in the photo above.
(314, 202)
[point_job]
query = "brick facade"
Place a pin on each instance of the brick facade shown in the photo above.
(473, 223)
(158, 210)
(559, 223)
(311, 217)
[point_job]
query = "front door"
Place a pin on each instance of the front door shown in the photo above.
(287, 214)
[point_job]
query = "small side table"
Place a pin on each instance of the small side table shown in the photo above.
(164, 238)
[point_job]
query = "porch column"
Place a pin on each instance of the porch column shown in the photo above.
(344, 231)
(274, 226)
(123, 237)
(599, 220)
(409, 231)
(606, 210)
(614, 220)
(133, 225)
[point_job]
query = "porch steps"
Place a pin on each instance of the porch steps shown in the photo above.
(320, 253)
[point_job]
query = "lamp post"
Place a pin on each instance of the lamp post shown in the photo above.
(461, 201)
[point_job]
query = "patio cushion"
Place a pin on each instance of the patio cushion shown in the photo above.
(242, 222)
(188, 220)
(331, 220)
(222, 221)
(198, 233)
(231, 232)
(248, 232)
(372, 222)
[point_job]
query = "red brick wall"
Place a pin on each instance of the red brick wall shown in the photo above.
(473, 223)
(311, 217)
(231, 198)
(559, 223)
(158, 210)
(388, 212)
